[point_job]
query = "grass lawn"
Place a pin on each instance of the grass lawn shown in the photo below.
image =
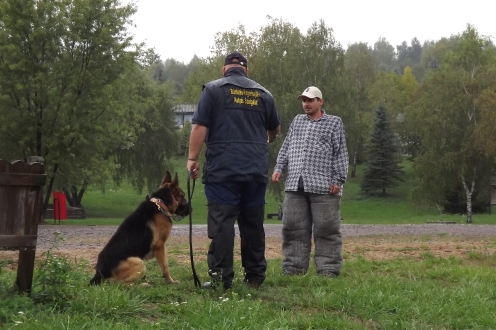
(356, 208)
(421, 292)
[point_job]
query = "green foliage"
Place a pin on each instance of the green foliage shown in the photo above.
(384, 55)
(173, 73)
(450, 115)
(410, 56)
(66, 85)
(145, 157)
(383, 170)
(53, 281)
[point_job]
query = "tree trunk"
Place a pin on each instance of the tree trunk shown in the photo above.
(353, 165)
(68, 197)
(81, 193)
(49, 191)
(73, 197)
(469, 193)
(469, 208)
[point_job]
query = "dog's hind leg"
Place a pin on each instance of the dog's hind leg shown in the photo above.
(97, 279)
(129, 270)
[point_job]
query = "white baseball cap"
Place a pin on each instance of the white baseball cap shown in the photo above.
(311, 92)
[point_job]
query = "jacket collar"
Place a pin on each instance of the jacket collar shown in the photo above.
(235, 72)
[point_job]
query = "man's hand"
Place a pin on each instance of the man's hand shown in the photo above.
(334, 189)
(276, 176)
(193, 167)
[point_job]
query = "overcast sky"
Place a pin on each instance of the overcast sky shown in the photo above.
(181, 29)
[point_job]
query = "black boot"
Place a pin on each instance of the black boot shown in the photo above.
(216, 281)
(250, 221)
(220, 258)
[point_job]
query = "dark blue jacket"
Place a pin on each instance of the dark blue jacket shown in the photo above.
(237, 112)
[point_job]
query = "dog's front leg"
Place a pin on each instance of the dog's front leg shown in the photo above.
(162, 261)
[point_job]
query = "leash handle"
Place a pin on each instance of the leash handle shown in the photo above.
(196, 280)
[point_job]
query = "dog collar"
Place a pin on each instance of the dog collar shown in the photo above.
(161, 206)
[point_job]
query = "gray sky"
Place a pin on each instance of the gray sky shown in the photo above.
(180, 29)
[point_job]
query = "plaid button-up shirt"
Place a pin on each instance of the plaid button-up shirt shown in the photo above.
(316, 151)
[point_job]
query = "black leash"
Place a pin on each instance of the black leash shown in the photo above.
(190, 196)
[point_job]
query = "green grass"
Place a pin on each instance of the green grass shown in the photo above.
(402, 293)
(356, 208)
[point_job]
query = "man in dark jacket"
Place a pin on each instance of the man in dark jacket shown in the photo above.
(236, 118)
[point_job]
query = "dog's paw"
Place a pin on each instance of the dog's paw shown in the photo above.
(146, 285)
(171, 280)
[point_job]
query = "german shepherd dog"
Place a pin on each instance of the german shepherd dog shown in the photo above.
(142, 236)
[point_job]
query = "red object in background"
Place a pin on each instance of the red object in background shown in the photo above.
(59, 206)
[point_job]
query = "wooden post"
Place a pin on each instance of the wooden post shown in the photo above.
(21, 189)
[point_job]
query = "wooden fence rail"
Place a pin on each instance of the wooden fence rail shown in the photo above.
(21, 190)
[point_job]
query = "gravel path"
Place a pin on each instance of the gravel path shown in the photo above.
(89, 233)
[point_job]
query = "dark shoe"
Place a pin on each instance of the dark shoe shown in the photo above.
(294, 272)
(214, 285)
(253, 285)
(208, 285)
(328, 274)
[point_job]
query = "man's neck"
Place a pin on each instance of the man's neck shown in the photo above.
(316, 115)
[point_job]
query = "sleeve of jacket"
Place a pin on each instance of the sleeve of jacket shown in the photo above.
(273, 116)
(340, 158)
(204, 111)
(283, 155)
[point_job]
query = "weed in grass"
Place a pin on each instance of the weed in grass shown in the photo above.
(425, 247)
(425, 238)
(4, 263)
(50, 281)
(471, 255)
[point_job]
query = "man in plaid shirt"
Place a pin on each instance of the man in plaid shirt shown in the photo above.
(314, 152)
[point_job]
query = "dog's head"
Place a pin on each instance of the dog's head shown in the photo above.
(172, 195)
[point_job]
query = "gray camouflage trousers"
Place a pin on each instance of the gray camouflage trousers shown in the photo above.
(303, 214)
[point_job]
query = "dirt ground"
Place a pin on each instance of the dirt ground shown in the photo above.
(373, 242)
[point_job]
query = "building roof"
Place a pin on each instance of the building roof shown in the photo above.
(185, 108)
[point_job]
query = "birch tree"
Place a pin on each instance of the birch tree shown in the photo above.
(453, 118)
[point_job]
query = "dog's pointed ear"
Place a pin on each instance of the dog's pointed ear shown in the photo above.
(175, 181)
(166, 179)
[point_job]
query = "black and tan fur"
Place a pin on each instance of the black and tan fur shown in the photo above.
(142, 236)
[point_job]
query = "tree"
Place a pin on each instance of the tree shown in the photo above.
(397, 93)
(359, 71)
(409, 56)
(383, 170)
(144, 158)
(455, 117)
(384, 55)
(63, 69)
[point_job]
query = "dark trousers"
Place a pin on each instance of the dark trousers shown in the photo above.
(228, 202)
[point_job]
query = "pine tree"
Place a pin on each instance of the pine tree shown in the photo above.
(383, 170)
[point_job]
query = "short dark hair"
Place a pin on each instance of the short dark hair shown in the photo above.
(240, 59)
